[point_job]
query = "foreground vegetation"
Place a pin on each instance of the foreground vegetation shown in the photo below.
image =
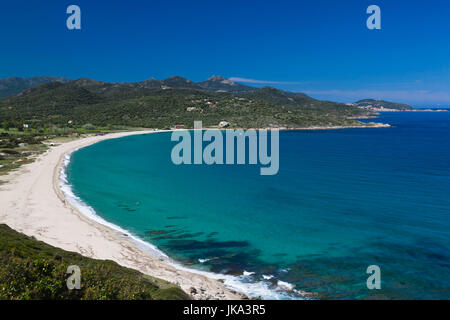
(31, 269)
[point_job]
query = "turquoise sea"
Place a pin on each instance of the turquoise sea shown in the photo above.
(342, 200)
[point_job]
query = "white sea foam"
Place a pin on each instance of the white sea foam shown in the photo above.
(285, 285)
(207, 259)
(260, 289)
(267, 277)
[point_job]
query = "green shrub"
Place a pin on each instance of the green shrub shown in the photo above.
(89, 126)
(30, 269)
(10, 151)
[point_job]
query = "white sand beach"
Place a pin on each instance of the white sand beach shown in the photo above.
(31, 202)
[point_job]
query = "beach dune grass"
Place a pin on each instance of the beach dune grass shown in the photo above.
(31, 269)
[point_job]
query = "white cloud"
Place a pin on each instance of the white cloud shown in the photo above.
(410, 96)
(245, 80)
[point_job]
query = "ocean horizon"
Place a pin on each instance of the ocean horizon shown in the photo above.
(342, 200)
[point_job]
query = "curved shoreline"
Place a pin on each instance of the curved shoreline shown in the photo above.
(243, 289)
(33, 203)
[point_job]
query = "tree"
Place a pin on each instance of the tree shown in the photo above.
(7, 124)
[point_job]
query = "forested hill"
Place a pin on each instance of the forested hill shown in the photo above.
(372, 104)
(14, 85)
(167, 103)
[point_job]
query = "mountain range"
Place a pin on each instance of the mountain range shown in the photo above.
(14, 85)
(164, 104)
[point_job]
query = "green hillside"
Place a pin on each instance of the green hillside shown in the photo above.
(31, 269)
(166, 103)
(371, 103)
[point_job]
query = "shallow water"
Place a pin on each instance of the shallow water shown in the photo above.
(342, 200)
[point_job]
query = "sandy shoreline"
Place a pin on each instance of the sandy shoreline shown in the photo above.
(33, 203)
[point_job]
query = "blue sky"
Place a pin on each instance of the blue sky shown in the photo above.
(320, 47)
